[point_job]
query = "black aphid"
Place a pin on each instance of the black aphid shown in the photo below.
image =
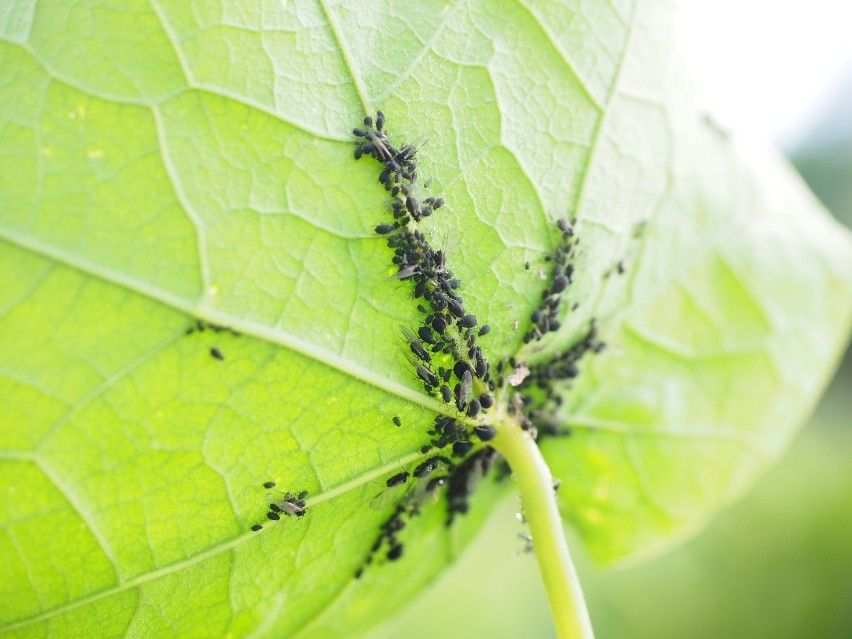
(395, 552)
(463, 390)
(559, 284)
(291, 508)
(565, 226)
(473, 408)
(426, 335)
(269, 484)
(439, 325)
(446, 394)
(274, 516)
(426, 467)
(485, 433)
(468, 321)
(384, 229)
(481, 368)
(256, 527)
(484, 330)
(461, 368)
(215, 352)
(417, 349)
(416, 345)
(426, 375)
(397, 421)
(399, 478)
(460, 449)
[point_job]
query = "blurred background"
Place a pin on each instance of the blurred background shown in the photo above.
(778, 564)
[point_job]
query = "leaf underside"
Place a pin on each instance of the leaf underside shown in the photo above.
(161, 161)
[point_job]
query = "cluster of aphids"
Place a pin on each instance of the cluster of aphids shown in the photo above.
(448, 332)
(563, 366)
(445, 354)
(411, 490)
(545, 317)
(199, 326)
(422, 485)
(538, 395)
(291, 505)
(535, 396)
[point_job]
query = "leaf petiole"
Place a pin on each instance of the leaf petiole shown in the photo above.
(535, 483)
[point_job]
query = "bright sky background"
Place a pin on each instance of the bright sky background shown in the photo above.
(763, 67)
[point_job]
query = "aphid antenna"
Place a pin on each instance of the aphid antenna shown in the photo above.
(420, 141)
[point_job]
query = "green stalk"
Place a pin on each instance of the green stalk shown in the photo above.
(551, 549)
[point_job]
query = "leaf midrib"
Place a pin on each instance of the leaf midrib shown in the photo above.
(240, 324)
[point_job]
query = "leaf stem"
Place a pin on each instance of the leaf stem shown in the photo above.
(535, 483)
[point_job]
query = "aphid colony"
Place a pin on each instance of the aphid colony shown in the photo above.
(461, 378)
(290, 505)
(544, 318)
(410, 491)
(444, 353)
(532, 408)
(421, 486)
(540, 397)
(444, 356)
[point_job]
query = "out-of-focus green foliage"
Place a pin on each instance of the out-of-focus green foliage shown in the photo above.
(828, 171)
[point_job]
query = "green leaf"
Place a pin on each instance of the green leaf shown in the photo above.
(166, 160)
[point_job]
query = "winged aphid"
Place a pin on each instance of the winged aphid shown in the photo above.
(407, 489)
(416, 345)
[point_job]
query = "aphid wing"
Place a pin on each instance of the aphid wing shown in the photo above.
(387, 497)
(475, 476)
(422, 140)
(417, 490)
